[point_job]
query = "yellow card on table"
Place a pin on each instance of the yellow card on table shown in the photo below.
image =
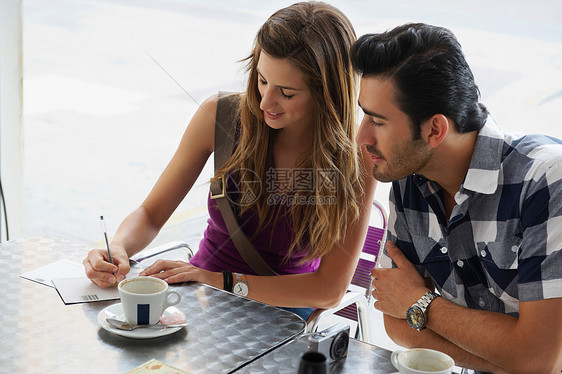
(156, 367)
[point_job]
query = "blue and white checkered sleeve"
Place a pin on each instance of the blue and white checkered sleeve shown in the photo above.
(540, 253)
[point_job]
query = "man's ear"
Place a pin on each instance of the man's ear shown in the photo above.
(434, 130)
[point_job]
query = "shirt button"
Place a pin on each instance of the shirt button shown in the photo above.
(444, 249)
(460, 263)
(514, 248)
(483, 253)
(481, 303)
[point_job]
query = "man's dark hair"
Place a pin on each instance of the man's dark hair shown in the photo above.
(429, 72)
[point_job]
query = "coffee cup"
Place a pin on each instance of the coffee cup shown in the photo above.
(422, 361)
(144, 299)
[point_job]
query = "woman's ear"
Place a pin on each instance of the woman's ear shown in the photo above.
(434, 130)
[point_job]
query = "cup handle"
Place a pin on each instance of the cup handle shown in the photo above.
(174, 301)
(394, 359)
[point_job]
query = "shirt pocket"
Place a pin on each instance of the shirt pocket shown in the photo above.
(500, 263)
(502, 254)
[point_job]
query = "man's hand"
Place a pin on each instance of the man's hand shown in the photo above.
(104, 273)
(397, 289)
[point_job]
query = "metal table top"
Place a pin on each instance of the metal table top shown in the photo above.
(361, 358)
(42, 335)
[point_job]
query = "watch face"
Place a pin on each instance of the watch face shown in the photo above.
(240, 289)
(415, 317)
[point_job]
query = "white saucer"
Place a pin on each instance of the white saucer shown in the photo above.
(116, 311)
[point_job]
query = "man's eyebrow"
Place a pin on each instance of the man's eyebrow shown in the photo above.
(282, 87)
(370, 113)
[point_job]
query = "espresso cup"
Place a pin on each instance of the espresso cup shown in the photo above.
(144, 299)
(422, 361)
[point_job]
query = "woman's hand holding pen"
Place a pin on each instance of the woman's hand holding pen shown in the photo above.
(101, 271)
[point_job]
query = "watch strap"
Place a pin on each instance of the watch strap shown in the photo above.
(227, 280)
(426, 299)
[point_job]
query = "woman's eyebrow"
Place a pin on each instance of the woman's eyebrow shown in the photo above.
(282, 87)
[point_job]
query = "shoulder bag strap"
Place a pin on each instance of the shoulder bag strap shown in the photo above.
(225, 130)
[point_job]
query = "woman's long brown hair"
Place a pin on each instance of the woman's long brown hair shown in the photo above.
(316, 38)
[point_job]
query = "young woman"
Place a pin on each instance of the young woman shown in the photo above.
(308, 215)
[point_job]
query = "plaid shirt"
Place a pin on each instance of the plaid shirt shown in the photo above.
(503, 241)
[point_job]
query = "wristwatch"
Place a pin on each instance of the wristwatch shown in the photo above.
(415, 315)
(241, 285)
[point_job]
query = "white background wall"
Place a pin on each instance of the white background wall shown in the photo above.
(11, 141)
(102, 118)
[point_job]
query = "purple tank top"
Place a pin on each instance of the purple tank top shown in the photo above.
(217, 251)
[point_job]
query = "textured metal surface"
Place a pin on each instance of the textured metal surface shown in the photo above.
(361, 358)
(39, 334)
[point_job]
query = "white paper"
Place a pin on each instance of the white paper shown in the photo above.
(82, 290)
(59, 269)
(73, 286)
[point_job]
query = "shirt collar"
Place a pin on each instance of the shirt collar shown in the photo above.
(484, 170)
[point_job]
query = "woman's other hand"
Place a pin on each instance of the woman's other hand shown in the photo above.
(181, 271)
(172, 271)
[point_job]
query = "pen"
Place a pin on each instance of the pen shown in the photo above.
(105, 236)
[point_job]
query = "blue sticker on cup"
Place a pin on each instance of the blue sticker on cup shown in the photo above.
(143, 314)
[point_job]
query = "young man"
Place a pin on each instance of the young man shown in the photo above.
(474, 213)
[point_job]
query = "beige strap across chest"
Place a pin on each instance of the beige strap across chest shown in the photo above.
(225, 133)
